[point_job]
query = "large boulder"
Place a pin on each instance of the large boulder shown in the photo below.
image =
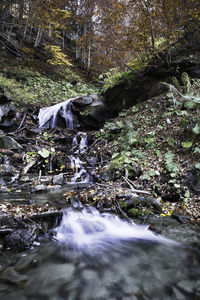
(82, 112)
(7, 110)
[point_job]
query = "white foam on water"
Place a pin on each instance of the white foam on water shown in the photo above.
(88, 229)
(48, 113)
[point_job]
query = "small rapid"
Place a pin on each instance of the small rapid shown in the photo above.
(48, 116)
(91, 232)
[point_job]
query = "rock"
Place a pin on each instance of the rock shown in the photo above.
(186, 285)
(4, 189)
(55, 188)
(38, 188)
(10, 275)
(58, 179)
(133, 202)
(6, 169)
(2, 182)
(7, 111)
(6, 142)
(106, 175)
(20, 239)
(25, 263)
(92, 161)
(46, 179)
(76, 204)
(58, 274)
(3, 287)
(83, 101)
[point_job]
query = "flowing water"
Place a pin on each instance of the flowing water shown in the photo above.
(99, 256)
(48, 116)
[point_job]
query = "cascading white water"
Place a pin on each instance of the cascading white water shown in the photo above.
(67, 115)
(89, 231)
(83, 142)
(80, 171)
(80, 140)
(48, 116)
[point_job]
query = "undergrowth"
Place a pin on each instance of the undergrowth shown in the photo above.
(25, 85)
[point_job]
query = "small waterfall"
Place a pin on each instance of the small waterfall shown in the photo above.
(83, 142)
(67, 115)
(81, 175)
(80, 172)
(80, 139)
(89, 231)
(54, 115)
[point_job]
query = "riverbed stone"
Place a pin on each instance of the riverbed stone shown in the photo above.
(58, 275)
(7, 111)
(4, 189)
(83, 101)
(58, 179)
(38, 188)
(2, 182)
(10, 275)
(7, 142)
(3, 287)
(25, 263)
(54, 188)
(21, 238)
(6, 169)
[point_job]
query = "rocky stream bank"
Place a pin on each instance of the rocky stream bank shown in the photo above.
(44, 170)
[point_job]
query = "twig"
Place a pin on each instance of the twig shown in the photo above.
(133, 189)
(95, 142)
(122, 212)
(19, 127)
(17, 131)
(21, 123)
(146, 216)
(55, 213)
(105, 185)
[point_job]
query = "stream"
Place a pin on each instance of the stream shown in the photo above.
(99, 256)
(93, 255)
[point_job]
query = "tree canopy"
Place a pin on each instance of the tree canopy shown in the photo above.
(103, 33)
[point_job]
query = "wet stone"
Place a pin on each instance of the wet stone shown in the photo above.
(21, 238)
(38, 188)
(186, 285)
(2, 181)
(6, 169)
(54, 189)
(25, 263)
(179, 295)
(4, 190)
(52, 278)
(58, 179)
(3, 287)
(12, 276)
(45, 179)
(6, 142)
(92, 161)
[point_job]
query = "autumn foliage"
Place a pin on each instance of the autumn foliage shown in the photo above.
(103, 33)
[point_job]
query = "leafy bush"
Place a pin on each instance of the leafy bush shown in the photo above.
(170, 165)
(113, 77)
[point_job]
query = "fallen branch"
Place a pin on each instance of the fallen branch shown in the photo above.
(28, 167)
(117, 205)
(133, 189)
(56, 213)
